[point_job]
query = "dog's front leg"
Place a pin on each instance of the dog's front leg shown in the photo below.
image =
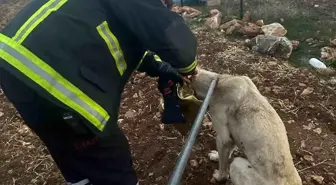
(224, 147)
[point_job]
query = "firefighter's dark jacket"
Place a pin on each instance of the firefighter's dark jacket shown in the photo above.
(79, 54)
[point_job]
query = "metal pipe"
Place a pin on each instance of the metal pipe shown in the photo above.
(185, 154)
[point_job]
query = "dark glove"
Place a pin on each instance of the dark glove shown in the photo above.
(172, 110)
(166, 71)
(155, 67)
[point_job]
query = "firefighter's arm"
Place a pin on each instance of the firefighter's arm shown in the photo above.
(159, 30)
(150, 63)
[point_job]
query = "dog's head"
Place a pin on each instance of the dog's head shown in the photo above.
(201, 82)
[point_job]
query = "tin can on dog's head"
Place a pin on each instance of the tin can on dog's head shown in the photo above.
(190, 106)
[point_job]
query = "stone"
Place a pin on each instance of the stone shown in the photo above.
(207, 124)
(303, 144)
(130, 114)
(186, 11)
(318, 130)
(271, 45)
(295, 44)
(317, 178)
(227, 25)
(260, 22)
(328, 53)
(193, 163)
(274, 29)
(309, 40)
(159, 178)
(230, 30)
(1, 114)
(307, 91)
(308, 158)
(332, 81)
(214, 22)
(250, 30)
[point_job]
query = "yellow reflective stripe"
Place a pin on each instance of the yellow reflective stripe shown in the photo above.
(141, 60)
(157, 58)
(113, 45)
(189, 68)
(45, 76)
(41, 14)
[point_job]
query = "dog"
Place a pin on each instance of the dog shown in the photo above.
(243, 117)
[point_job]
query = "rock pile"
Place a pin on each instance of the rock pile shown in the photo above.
(267, 39)
(329, 53)
(186, 12)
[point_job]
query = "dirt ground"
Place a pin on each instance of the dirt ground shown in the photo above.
(309, 119)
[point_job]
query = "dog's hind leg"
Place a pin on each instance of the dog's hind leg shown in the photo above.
(224, 147)
(242, 173)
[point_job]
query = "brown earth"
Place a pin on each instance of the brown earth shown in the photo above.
(310, 121)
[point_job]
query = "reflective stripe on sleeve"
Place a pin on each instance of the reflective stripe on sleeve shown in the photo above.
(156, 57)
(113, 45)
(41, 73)
(41, 14)
(191, 67)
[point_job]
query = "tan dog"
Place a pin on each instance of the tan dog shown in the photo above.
(243, 117)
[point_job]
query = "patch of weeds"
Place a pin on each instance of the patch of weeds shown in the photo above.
(332, 64)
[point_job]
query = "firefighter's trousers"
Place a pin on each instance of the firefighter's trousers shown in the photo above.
(82, 159)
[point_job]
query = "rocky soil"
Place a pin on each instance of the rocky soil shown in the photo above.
(305, 102)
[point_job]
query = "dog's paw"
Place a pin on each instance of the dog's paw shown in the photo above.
(219, 177)
(213, 156)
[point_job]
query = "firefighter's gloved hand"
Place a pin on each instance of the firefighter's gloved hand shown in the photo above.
(172, 110)
(166, 71)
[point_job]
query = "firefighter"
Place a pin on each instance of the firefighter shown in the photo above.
(64, 65)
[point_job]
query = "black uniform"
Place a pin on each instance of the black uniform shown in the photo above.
(64, 64)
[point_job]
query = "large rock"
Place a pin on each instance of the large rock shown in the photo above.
(250, 30)
(186, 11)
(274, 29)
(228, 24)
(214, 21)
(328, 53)
(271, 45)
